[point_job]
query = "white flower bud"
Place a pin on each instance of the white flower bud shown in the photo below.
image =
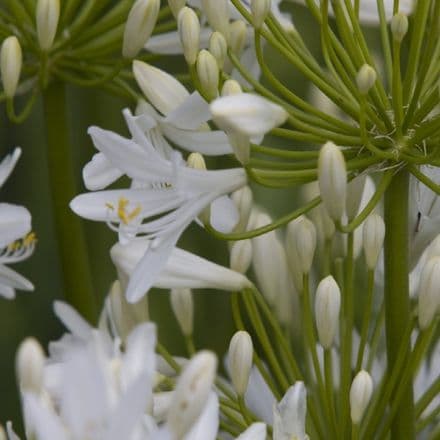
(196, 161)
(252, 115)
(217, 13)
(243, 200)
(237, 36)
(47, 16)
(327, 306)
(207, 71)
(301, 232)
(183, 308)
(365, 78)
(192, 392)
(332, 179)
(231, 87)
(3, 434)
(189, 31)
(241, 146)
(373, 236)
(429, 292)
(11, 60)
(29, 365)
(176, 6)
(360, 395)
(399, 26)
(139, 26)
(241, 256)
(260, 9)
(218, 48)
(355, 190)
(240, 360)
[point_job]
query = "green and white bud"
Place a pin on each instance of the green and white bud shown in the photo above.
(241, 145)
(218, 48)
(360, 395)
(29, 365)
(191, 393)
(217, 13)
(231, 87)
(176, 6)
(260, 10)
(11, 60)
(301, 233)
(429, 292)
(189, 31)
(183, 308)
(3, 433)
(240, 352)
(332, 179)
(241, 256)
(208, 74)
(237, 36)
(365, 78)
(139, 26)
(355, 191)
(47, 16)
(399, 26)
(327, 307)
(373, 237)
(196, 161)
(243, 200)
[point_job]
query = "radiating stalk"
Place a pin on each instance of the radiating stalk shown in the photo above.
(397, 302)
(72, 249)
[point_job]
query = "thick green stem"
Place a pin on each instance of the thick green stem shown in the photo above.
(397, 302)
(72, 248)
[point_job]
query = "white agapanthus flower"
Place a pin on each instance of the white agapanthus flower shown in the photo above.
(161, 186)
(16, 243)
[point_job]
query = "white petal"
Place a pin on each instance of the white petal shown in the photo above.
(100, 173)
(190, 114)
(224, 214)
(8, 164)
(169, 43)
(72, 320)
(206, 426)
(259, 397)
(257, 431)
(10, 278)
(11, 434)
(15, 223)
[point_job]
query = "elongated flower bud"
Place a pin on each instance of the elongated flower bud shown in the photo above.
(373, 237)
(207, 71)
(237, 36)
(11, 60)
(218, 48)
(191, 392)
(189, 31)
(47, 16)
(29, 365)
(327, 306)
(241, 256)
(429, 292)
(183, 308)
(332, 180)
(240, 360)
(176, 6)
(243, 200)
(139, 26)
(399, 26)
(217, 13)
(366, 78)
(360, 395)
(260, 9)
(302, 235)
(231, 87)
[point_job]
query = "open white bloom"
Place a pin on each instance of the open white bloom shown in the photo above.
(164, 198)
(16, 243)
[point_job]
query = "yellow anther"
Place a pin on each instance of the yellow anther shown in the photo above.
(31, 238)
(110, 206)
(127, 217)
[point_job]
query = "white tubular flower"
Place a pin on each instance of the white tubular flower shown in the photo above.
(248, 114)
(240, 353)
(192, 392)
(182, 270)
(373, 237)
(189, 31)
(47, 16)
(217, 13)
(289, 415)
(360, 395)
(241, 256)
(183, 308)
(218, 48)
(260, 9)
(11, 60)
(208, 73)
(257, 431)
(243, 200)
(301, 233)
(163, 187)
(429, 292)
(365, 78)
(332, 180)
(176, 6)
(327, 306)
(139, 26)
(29, 365)
(16, 243)
(237, 36)
(399, 26)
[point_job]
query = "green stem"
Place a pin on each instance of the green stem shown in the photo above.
(72, 246)
(397, 301)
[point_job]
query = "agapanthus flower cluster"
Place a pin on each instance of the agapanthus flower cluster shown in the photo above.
(336, 303)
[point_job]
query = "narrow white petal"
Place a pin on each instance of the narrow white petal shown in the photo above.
(8, 164)
(190, 114)
(72, 320)
(206, 426)
(257, 431)
(15, 223)
(169, 43)
(10, 278)
(100, 173)
(224, 214)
